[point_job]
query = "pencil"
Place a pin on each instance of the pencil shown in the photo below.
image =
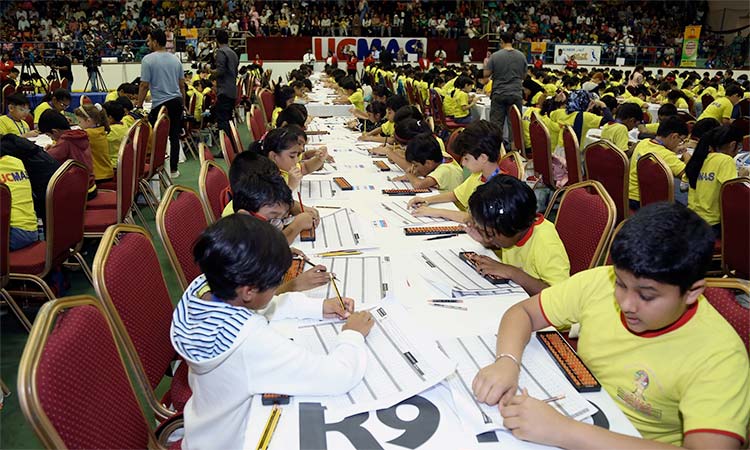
(461, 308)
(268, 431)
(445, 300)
(338, 294)
(301, 206)
(328, 207)
(554, 399)
(445, 236)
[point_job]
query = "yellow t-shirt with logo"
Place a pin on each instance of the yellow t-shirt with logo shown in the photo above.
(590, 120)
(100, 153)
(718, 168)
(644, 147)
(13, 174)
(617, 134)
(117, 132)
(10, 126)
(461, 99)
(44, 106)
(128, 120)
(719, 109)
(540, 253)
(693, 375)
(465, 189)
(450, 102)
(448, 175)
(388, 128)
(358, 99)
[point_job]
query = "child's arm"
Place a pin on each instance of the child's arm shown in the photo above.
(358, 114)
(447, 214)
(443, 197)
(487, 265)
(417, 182)
(310, 165)
(397, 156)
(302, 221)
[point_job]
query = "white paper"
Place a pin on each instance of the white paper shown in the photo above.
(317, 188)
(336, 231)
(366, 279)
(538, 375)
(397, 213)
(400, 363)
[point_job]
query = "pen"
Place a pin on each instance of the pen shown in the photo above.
(554, 399)
(445, 236)
(338, 294)
(328, 207)
(445, 300)
(461, 308)
(268, 431)
(301, 206)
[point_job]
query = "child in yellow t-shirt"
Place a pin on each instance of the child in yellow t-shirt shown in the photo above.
(94, 122)
(14, 122)
(23, 221)
(629, 115)
(675, 367)
(457, 104)
(117, 130)
(504, 219)
(430, 168)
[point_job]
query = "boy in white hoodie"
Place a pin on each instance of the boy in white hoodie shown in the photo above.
(221, 329)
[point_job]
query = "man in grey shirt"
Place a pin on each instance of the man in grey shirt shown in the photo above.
(161, 72)
(225, 73)
(507, 67)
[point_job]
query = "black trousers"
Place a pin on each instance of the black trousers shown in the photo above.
(499, 106)
(224, 110)
(174, 111)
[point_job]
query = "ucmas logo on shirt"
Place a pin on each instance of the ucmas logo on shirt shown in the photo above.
(10, 177)
(636, 398)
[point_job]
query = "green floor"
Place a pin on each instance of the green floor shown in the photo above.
(15, 433)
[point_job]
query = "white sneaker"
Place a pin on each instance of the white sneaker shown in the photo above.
(175, 174)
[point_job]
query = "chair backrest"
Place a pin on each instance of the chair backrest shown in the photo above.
(744, 107)
(572, 155)
(541, 150)
(179, 224)
(267, 103)
(655, 180)
(722, 294)
(227, 147)
(706, 100)
(511, 165)
(436, 105)
(74, 389)
(585, 221)
(204, 153)
(608, 249)
(53, 86)
(7, 91)
(127, 178)
(257, 126)
(5, 199)
(64, 84)
(742, 124)
(517, 129)
(746, 142)
(735, 227)
(85, 100)
(66, 206)
(609, 166)
(160, 134)
(211, 184)
(235, 137)
(421, 102)
(141, 139)
(449, 144)
(130, 285)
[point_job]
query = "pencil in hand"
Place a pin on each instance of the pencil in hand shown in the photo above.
(338, 294)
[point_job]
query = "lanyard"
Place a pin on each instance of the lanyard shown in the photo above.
(21, 129)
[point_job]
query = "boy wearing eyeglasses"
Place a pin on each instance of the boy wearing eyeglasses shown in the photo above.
(14, 122)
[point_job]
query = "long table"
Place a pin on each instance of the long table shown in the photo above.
(427, 420)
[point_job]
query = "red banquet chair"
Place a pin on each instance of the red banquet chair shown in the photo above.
(267, 106)
(723, 295)
(5, 199)
(655, 180)
(449, 144)
(438, 113)
(227, 147)
(236, 137)
(541, 151)
(514, 116)
(511, 164)
(572, 155)
(74, 387)
(212, 182)
(204, 153)
(179, 224)
(130, 285)
(607, 164)
(735, 227)
(257, 126)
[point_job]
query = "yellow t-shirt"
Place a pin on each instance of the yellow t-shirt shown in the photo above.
(111, 96)
(448, 175)
(358, 99)
(644, 147)
(681, 103)
(274, 116)
(128, 120)
(448, 86)
(526, 124)
(617, 134)
(228, 210)
(690, 376)
(465, 189)
(704, 199)
(10, 126)
(100, 153)
(652, 127)
(13, 174)
(540, 253)
(719, 109)
(461, 99)
(636, 100)
(590, 120)
(117, 132)
(388, 128)
(450, 106)
(44, 106)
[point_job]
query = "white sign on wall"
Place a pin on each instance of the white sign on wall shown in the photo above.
(586, 55)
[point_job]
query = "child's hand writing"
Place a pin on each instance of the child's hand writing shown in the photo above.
(488, 266)
(360, 322)
(496, 383)
(416, 202)
(310, 279)
(533, 420)
(332, 308)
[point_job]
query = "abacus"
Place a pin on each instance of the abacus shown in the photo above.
(274, 399)
(295, 270)
(406, 191)
(426, 231)
(342, 183)
(569, 362)
(382, 166)
(307, 235)
(468, 258)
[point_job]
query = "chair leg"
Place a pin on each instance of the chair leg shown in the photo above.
(84, 266)
(36, 280)
(145, 188)
(5, 295)
(140, 216)
(4, 388)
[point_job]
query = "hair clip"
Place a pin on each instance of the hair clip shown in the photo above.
(98, 106)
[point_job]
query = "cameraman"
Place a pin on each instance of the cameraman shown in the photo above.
(64, 67)
(225, 72)
(92, 63)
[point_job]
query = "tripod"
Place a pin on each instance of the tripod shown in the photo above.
(27, 67)
(100, 79)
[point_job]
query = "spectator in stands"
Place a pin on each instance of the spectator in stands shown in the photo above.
(227, 63)
(507, 67)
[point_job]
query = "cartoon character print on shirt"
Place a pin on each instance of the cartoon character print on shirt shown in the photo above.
(636, 398)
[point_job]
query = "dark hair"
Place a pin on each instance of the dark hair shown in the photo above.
(715, 138)
(349, 83)
(51, 119)
(504, 204)
(506, 37)
(222, 37)
(478, 138)
(57, 94)
(17, 99)
(376, 108)
(703, 126)
(733, 89)
(123, 87)
(240, 250)
(462, 81)
(407, 129)
(407, 112)
(282, 94)
(423, 147)
(675, 95)
(256, 190)
(125, 102)
(671, 125)
(114, 110)
(667, 110)
(381, 91)
(247, 163)
(665, 242)
(276, 140)
(629, 111)
(291, 115)
(158, 35)
(396, 102)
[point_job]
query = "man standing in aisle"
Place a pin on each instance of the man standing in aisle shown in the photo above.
(161, 72)
(507, 67)
(227, 63)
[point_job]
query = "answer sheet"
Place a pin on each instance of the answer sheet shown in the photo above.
(401, 363)
(398, 214)
(336, 231)
(366, 279)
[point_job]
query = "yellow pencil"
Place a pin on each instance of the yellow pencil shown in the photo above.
(268, 431)
(338, 294)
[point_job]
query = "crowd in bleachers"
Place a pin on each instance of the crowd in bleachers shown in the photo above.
(638, 31)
